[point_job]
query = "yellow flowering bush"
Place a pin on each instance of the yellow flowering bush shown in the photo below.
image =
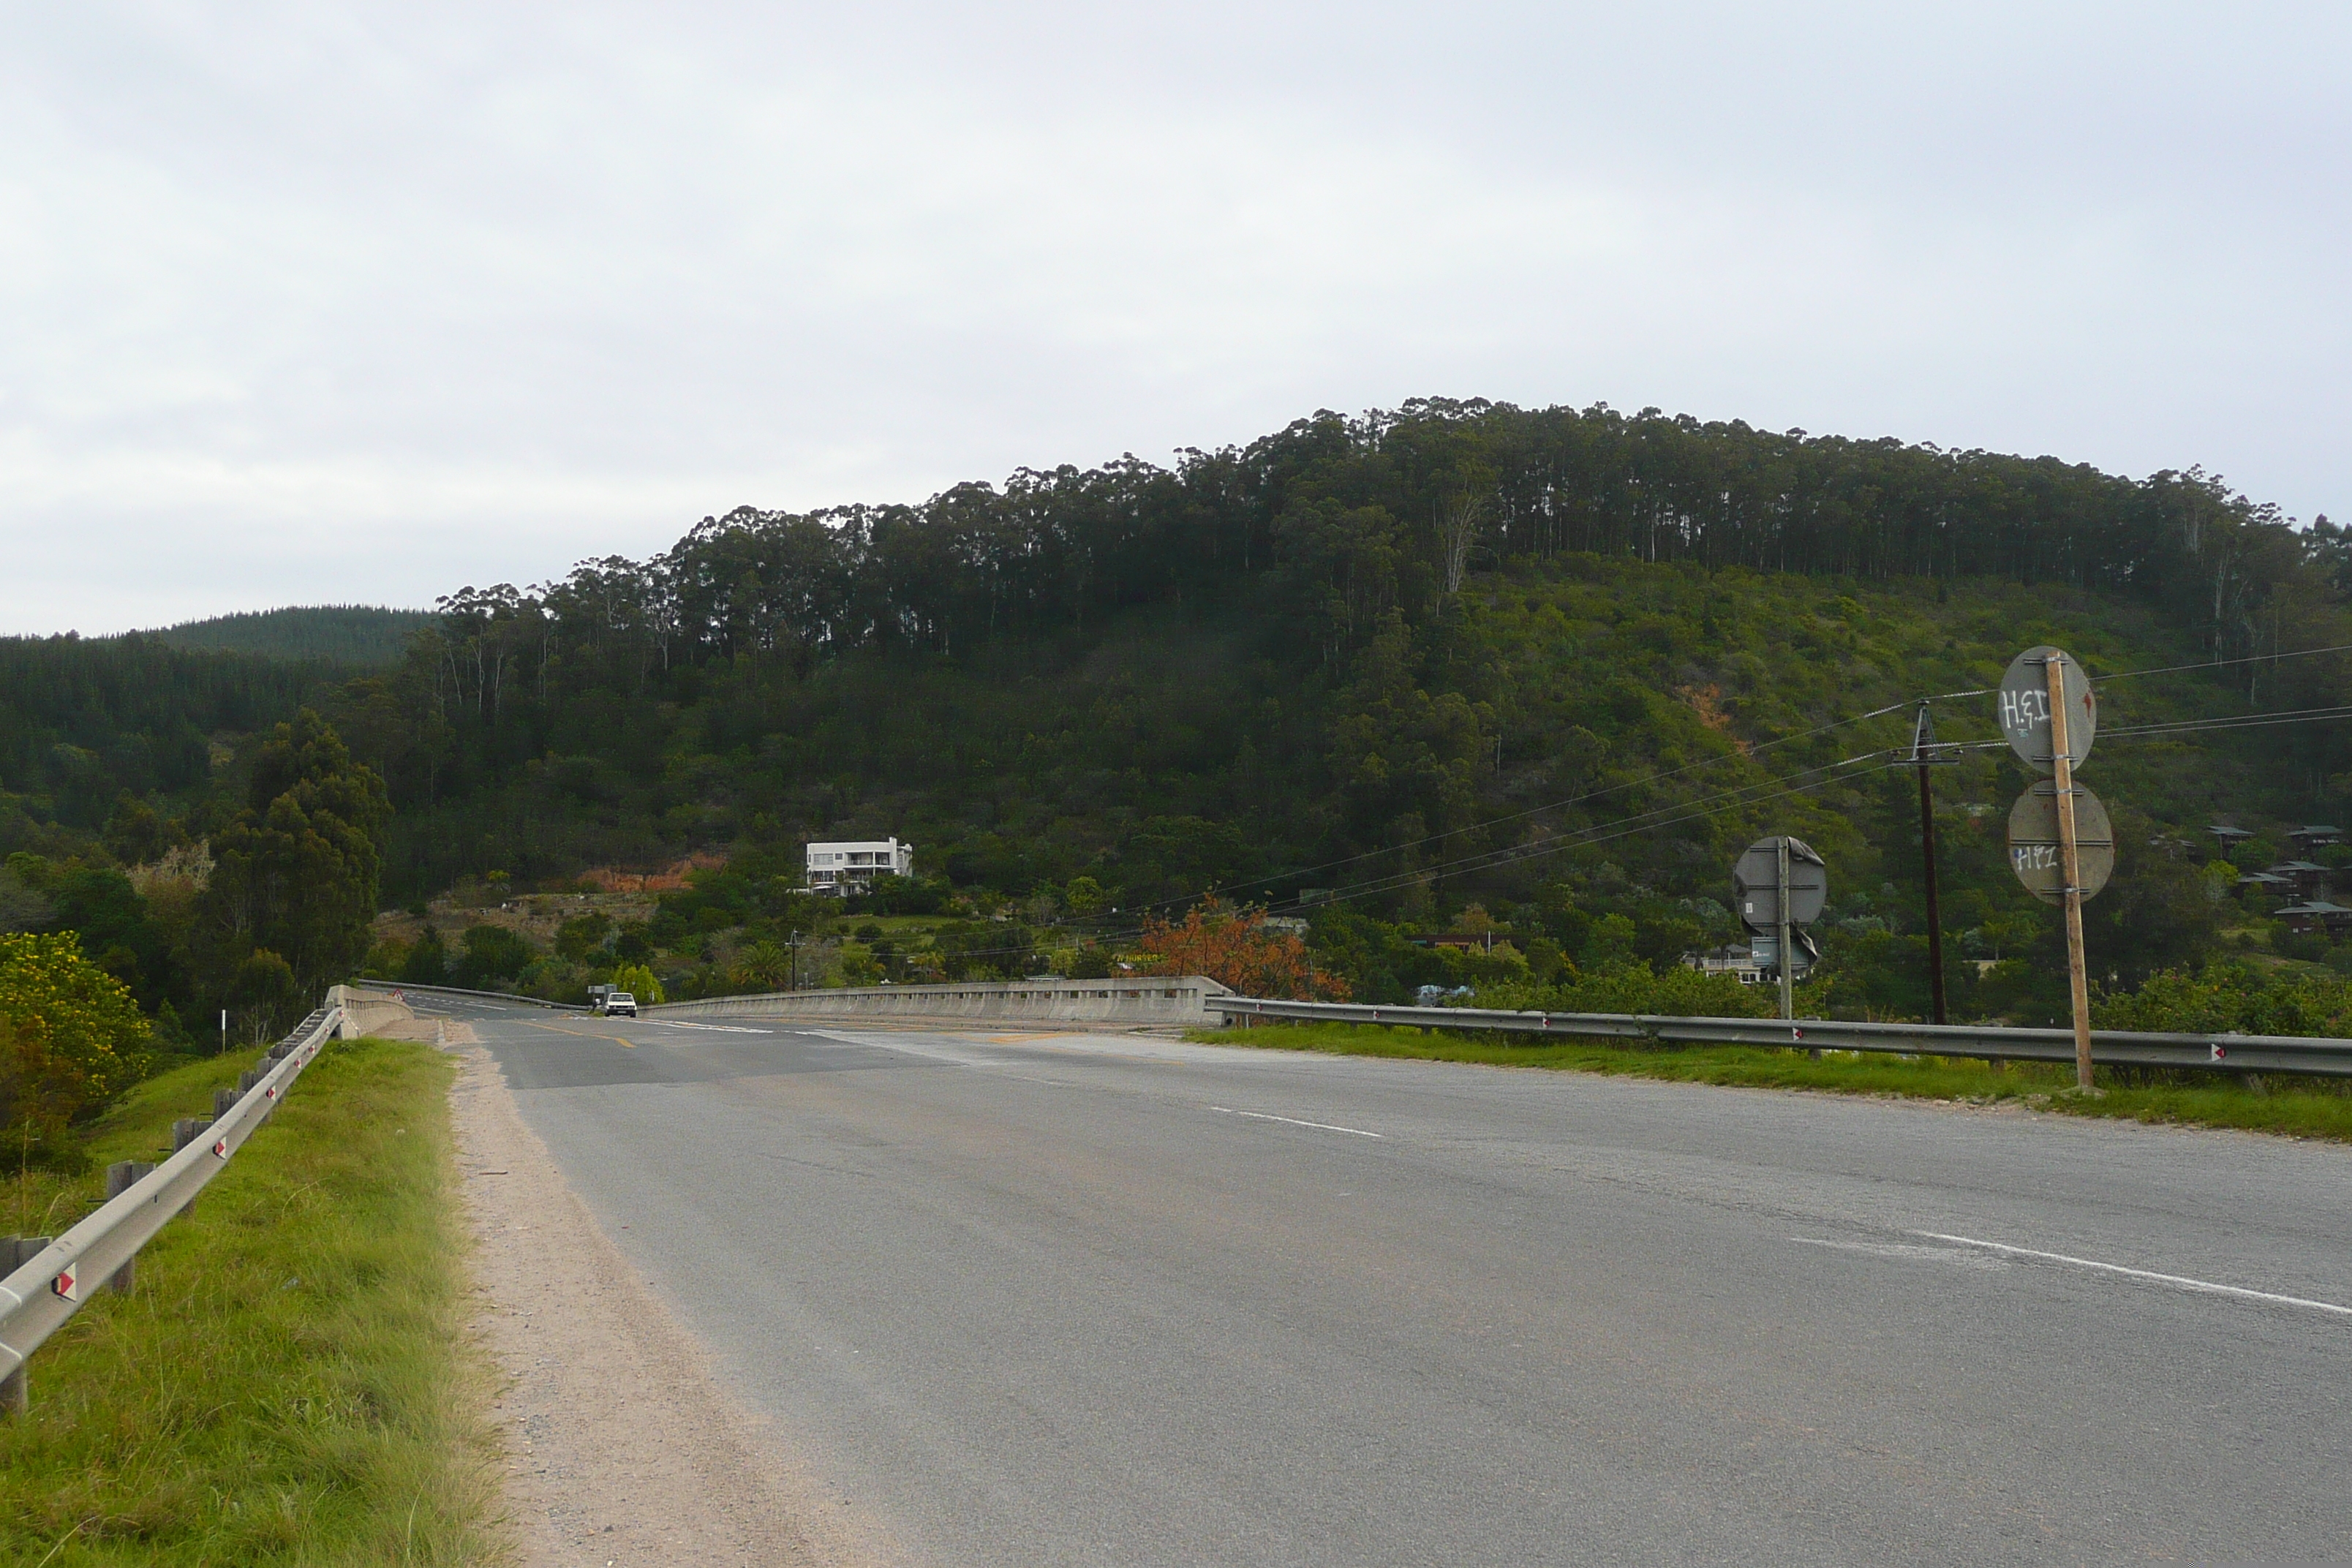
(72, 1036)
(638, 982)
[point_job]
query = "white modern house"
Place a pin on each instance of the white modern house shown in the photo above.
(1735, 959)
(848, 866)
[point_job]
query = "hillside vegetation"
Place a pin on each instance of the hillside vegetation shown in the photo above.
(1458, 668)
(342, 634)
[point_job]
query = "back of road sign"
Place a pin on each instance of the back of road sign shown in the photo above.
(2034, 852)
(1764, 951)
(2023, 707)
(1756, 880)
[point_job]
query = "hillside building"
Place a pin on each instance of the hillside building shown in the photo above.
(1735, 959)
(2328, 920)
(850, 866)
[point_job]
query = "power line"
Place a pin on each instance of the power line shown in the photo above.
(2185, 727)
(1673, 815)
(1746, 754)
(2222, 663)
(1589, 841)
(2237, 721)
(1683, 810)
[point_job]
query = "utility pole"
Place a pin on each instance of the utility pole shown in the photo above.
(2069, 864)
(1923, 738)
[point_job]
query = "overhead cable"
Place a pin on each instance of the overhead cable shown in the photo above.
(2222, 663)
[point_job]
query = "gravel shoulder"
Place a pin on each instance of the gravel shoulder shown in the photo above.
(624, 1445)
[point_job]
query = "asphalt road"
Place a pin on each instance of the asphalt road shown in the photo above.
(1063, 1299)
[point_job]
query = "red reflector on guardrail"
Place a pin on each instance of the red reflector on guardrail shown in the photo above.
(68, 1285)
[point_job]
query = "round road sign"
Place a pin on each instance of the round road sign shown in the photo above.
(1756, 880)
(2034, 852)
(2023, 706)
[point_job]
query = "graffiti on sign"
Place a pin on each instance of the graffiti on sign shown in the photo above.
(2024, 708)
(2035, 854)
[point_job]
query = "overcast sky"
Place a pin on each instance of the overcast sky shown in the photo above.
(331, 302)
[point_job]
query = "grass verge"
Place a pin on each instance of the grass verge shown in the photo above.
(290, 1382)
(2299, 1106)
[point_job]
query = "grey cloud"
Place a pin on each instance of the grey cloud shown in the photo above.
(329, 302)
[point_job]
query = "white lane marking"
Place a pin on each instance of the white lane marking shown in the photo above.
(2179, 1281)
(1293, 1121)
(714, 1028)
(1958, 1255)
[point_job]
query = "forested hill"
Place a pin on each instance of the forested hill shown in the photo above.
(84, 722)
(1423, 658)
(346, 633)
(1351, 634)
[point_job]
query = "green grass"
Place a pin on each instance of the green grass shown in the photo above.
(290, 1382)
(2304, 1108)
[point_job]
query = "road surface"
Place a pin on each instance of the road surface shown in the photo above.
(1070, 1299)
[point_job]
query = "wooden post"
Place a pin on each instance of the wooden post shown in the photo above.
(16, 1251)
(1934, 913)
(1787, 968)
(120, 1177)
(2062, 767)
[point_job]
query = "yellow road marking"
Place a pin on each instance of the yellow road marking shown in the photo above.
(584, 1034)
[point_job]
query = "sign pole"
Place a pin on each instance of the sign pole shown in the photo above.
(2069, 865)
(1787, 959)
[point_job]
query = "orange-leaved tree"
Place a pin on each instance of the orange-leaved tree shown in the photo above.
(1233, 948)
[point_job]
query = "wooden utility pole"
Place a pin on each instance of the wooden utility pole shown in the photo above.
(2069, 864)
(1920, 734)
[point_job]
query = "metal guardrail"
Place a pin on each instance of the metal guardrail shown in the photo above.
(394, 988)
(50, 1287)
(2114, 1047)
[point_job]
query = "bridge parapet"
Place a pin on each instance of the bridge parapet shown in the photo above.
(1180, 999)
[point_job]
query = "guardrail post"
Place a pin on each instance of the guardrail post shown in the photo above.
(16, 1251)
(120, 1177)
(224, 1101)
(184, 1132)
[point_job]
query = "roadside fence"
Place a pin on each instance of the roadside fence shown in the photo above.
(389, 987)
(2112, 1048)
(48, 1280)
